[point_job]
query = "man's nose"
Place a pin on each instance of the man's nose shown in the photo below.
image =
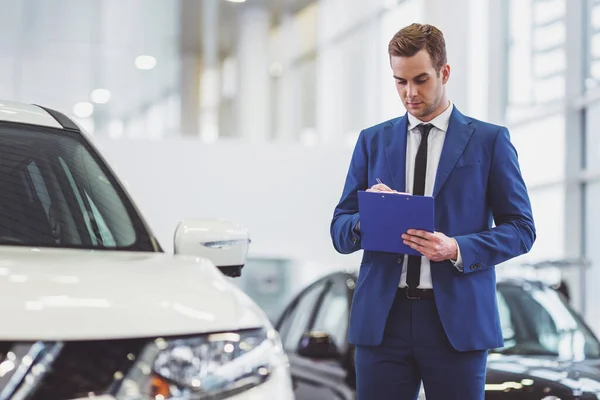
(411, 91)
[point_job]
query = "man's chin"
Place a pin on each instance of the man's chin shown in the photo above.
(417, 111)
(420, 111)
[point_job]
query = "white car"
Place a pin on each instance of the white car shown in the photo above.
(91, 307)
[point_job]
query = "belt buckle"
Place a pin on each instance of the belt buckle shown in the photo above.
(408, 296)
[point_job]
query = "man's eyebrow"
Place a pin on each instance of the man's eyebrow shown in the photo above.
(423, 75)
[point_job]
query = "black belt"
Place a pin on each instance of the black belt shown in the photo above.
(416, 294)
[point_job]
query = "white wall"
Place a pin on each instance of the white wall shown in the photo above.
(284, 194)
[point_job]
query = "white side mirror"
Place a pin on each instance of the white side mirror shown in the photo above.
(222, 242)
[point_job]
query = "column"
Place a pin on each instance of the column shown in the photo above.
(253, 101)
(190, 65)
(209, 80)
(288, 107)
(331, 73)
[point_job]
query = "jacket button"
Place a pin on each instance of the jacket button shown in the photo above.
(354, 240)
(400, 260)
(473, 267)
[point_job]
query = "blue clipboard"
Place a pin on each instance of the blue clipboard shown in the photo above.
(384, 217)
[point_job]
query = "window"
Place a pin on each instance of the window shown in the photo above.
(295, 321)
(593, 45)
(39, 186)
(54, 192)
(508, 330)
(96, 226)
(537, 57)
(536, 321)
(332, 316)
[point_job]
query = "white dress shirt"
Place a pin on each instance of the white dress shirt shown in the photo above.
(434, 151)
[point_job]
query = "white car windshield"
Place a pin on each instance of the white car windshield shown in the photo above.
(55, 191)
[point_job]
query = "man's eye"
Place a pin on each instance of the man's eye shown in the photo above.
(421, 81)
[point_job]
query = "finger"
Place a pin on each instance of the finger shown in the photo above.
(420, 233)
(422, 244)
(415, 246)
(427, 247)
(415, 239)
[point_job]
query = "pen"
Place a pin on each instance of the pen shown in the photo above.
(379, 181)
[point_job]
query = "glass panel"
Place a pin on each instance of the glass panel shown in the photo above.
(547, 165)
(549, 10)
(593, 44)
(537, 58)
(551, 35)
(548, 205)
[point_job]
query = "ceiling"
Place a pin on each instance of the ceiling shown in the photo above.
(228, 17)
(56, 52)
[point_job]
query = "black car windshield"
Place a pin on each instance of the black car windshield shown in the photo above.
(56, 192)
(537, 321)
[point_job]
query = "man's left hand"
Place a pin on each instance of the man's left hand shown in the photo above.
(435, 246)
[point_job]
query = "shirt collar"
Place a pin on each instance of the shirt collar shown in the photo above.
(441, 122)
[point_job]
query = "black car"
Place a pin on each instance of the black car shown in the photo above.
(549, 352)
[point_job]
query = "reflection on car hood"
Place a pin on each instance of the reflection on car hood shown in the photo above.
(543, 376)
(57, 294)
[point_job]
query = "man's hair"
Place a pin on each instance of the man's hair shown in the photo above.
(409, 40)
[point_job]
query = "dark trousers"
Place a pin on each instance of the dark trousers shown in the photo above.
(414, 349)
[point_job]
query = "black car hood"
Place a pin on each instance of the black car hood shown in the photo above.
(534, 377)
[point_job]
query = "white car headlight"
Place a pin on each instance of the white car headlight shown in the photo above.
(214, 366)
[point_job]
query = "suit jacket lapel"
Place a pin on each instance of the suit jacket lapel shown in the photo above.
(395, 153)
(458, 135)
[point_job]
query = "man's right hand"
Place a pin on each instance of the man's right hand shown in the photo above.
(381, 187)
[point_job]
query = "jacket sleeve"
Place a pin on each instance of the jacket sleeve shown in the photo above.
(514, 231)
(345, 216)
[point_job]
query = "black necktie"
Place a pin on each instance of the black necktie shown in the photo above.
(413, 273)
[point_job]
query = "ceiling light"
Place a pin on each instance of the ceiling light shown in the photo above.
(83, 110)
(100, 96)
(236, 1)
(145, 62)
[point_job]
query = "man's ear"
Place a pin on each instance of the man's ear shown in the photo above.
(445, 73)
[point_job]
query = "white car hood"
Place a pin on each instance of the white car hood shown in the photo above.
(57, 294)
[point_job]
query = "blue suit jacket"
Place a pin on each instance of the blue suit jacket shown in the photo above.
(478, 182)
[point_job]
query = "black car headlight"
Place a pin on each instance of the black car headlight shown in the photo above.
(214, 366)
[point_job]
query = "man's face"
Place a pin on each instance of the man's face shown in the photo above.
(420, 87)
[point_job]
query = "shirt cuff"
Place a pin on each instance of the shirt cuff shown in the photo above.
(458, 264)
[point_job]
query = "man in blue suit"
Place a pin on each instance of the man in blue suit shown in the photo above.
(432, 318)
